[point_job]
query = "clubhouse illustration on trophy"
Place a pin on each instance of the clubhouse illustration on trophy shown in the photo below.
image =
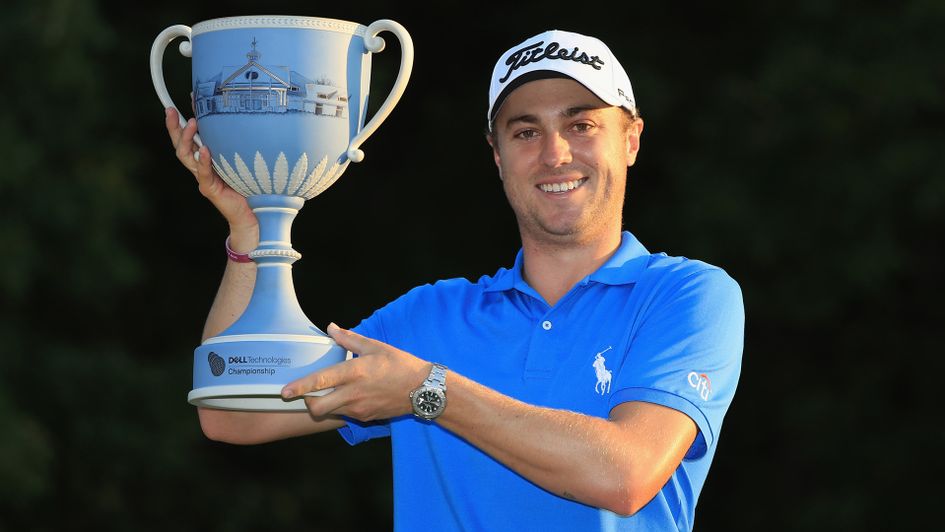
(281, 103)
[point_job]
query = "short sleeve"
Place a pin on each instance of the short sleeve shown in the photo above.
(686, 353)
(355, 431)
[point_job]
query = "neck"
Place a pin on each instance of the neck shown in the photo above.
(552, 269)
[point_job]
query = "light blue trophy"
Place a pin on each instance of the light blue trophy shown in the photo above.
(281, 102)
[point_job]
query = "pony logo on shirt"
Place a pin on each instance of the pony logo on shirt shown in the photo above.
(603, 374)
(701, 383)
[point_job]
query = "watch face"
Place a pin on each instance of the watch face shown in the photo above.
(428, 403)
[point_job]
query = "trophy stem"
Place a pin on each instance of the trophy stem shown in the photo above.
(273, 306)
(272, 342)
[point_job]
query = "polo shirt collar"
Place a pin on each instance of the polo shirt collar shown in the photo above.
(623, 267)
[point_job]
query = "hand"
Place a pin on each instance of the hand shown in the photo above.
(374, 385)
(244, 228)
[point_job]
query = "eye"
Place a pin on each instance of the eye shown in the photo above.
(582, 127)
(526, 134)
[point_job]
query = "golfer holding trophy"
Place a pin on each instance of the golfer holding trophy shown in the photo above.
(281, 104)
(586, 383)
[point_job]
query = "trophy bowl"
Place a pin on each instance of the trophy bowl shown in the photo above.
(281, 103)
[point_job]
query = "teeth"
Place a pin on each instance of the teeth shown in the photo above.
(562, 187)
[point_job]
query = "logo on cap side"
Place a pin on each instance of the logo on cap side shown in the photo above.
(533, 53)
(624, 96)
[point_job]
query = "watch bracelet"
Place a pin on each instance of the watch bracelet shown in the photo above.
(437, 377)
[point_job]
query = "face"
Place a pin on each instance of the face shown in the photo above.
(562, 155)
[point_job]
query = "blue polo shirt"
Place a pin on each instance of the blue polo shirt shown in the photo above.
(643, 327)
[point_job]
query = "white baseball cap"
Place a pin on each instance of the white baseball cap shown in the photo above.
(559, 53)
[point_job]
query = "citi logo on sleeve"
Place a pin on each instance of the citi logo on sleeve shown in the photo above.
(701, 383)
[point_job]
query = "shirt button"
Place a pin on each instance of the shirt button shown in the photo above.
(546, 325)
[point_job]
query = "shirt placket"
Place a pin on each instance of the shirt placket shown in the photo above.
(549, 344)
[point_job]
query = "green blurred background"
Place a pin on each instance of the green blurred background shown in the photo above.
(799, 146)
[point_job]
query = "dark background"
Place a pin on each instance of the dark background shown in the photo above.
(797, 145)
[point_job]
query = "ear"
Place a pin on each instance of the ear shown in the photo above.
(632, 140)
(494, 144)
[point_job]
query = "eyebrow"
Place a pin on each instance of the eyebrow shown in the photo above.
(569, 112)
(572, 111)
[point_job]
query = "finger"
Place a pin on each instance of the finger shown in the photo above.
(330, 377)
(185, 146)
(206, 176)
(352, 341)
(328, 403)
(172, 123)
(185, 139)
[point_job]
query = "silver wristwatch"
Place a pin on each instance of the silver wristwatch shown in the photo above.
(429, 400)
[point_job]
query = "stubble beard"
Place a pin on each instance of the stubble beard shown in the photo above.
(592, 223)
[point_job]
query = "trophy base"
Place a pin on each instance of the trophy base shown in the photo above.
(248, 371)
(249, 397)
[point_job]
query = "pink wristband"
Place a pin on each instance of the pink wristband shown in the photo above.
(234, 256)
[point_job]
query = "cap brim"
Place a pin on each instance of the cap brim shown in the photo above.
(518, 82)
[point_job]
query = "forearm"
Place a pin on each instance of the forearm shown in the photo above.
(588, 459)
(236, 288)
(250, 428)
(566, 453)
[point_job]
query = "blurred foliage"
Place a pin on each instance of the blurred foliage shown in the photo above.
(799, 147)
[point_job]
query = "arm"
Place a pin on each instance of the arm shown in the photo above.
(618, 464)
(232, 298)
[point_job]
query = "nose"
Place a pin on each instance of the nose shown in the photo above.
(555, 150)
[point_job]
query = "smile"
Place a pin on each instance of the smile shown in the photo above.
(563, 187)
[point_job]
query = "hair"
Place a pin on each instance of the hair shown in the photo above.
(632, 115)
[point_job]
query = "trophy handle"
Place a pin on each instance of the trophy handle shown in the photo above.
(375, 44)
(157, 67)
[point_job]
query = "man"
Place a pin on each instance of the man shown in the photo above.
(584, 387)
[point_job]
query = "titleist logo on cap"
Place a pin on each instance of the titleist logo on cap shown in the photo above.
(534, 52)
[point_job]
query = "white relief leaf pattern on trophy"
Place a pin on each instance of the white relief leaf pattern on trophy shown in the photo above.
(262, 172)
(234, 178)
(323, 180)
(334, 176)
(298, 173)
(245, 174)
(236, 184)
(314, 177)
(280, 174)
(319, 184)
(330, 177)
